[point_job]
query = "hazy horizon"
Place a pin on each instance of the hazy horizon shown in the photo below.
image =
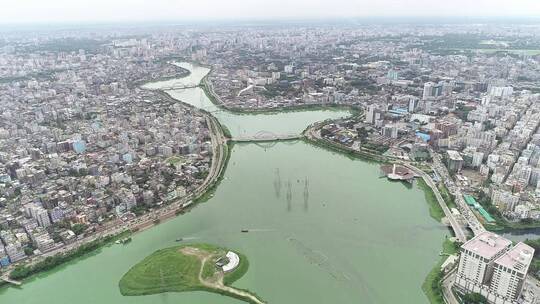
(119, 11)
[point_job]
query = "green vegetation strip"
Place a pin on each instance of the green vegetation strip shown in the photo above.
(501, 224)
(535, 265)
(24, 271)
(432, 285)
(435, 210)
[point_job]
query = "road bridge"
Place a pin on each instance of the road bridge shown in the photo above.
(265, 136)
(459, 230)
(179, 87)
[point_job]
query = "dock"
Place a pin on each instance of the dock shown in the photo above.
(398, 173)
(8, 280)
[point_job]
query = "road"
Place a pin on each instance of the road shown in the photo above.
(266, 137)
(216, 281)
(117, 226)
(459, 230)
(447, 283)
(531, 290)
(463, 207)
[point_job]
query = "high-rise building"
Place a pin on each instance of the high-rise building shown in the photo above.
(373, 114)
(489, 266)
(390, 131)
(413, 104)
(428, 89)
(501, 92)
(510, 271)
(42, 218)
(393, 75)
(455, 161)
(432, 90)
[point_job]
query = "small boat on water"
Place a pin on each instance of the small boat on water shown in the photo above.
(244, 230)
(179, 239)
(125, 241)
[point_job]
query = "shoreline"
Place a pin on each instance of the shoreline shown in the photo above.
(208, 89)
(309, 137)
(435, 210)
(222, 146)
(220, 156)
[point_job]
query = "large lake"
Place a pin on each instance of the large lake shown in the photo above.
(324, 228)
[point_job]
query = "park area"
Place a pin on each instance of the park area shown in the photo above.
(186, 268)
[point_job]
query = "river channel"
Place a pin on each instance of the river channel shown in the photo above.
(324, 228)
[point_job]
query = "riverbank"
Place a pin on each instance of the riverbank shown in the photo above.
(182, 73)
(435, 210)
(207, 87)
(432, 286)
(318, 257)
(310, 136)
(22, 272)
(219, 159)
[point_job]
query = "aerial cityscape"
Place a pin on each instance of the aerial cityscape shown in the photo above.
(318, 159)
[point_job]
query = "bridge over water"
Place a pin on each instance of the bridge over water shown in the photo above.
(265, 136)
(180, 87)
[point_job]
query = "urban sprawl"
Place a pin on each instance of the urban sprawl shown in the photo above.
(85, 151)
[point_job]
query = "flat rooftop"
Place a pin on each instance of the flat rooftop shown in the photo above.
(518, 258)
(487, 244)
(454, 155)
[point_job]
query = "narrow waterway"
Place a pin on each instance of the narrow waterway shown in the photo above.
(323, 228)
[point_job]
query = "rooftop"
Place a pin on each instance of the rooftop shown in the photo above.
(487, 244)
(454, 155)
(518, 258)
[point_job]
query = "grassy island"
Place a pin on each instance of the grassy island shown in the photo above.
(186, 268)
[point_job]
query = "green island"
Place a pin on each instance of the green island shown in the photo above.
(192, 267)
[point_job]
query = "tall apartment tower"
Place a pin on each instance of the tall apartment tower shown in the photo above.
(428, 90)
(489, 265)
(477, 255)
(510, 271)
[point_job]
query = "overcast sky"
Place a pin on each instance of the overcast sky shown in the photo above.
(26, 11)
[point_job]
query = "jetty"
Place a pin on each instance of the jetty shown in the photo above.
(11, 281)
(398, 173)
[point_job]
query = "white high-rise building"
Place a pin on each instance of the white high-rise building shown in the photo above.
(501, 92)
(510, 271)
(478, 157)
(476, 255)
(489, 266)
(373, 114)
(428, 89)
(42, 217)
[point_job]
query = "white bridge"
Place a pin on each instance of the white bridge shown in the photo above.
(265, 136)
(180, 87)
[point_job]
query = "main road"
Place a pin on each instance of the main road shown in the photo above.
(459, 230)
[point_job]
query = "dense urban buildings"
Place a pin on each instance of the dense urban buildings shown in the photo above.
(85, 149)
